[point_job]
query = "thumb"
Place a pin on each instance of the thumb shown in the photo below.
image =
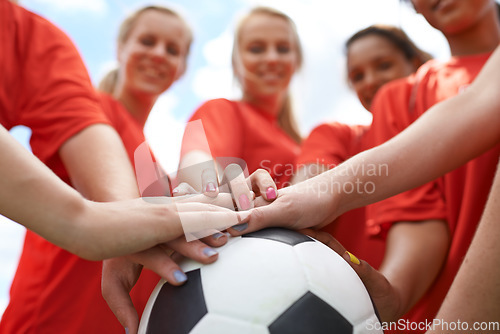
(262, 217)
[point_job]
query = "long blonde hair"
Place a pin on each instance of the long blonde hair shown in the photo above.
(286, 119)
(108, 82)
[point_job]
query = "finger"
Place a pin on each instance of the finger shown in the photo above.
(263, 184)
(183, 189)
(200, 220)
(209, 182)
(195, 250)
(234, 176)
(158, 260)
(115, 291)
(327, 239)
(262, 217)
(217, 239)
(224, 200)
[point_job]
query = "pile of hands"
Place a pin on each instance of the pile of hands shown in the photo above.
(258, 204)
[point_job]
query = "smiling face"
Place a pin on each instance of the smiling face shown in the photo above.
(266, 56)
(154, 53)
(452, 16)
(372, 61)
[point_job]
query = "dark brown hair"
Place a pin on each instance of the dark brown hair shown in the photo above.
(397, 37)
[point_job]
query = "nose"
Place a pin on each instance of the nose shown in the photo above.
(272, 55)
(159, 52)
(371, 81)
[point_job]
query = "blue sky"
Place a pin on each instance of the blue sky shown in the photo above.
(319, 90)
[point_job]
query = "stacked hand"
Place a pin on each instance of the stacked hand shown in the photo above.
(204, 215)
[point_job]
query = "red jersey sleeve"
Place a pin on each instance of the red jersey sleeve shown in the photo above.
(44, 83)
(392, 113)
(331, 144)
(220, 133)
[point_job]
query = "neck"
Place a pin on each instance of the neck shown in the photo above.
(139, 106)
(481, 38)
(270, 105)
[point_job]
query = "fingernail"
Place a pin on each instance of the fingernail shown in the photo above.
(240, 227)
(126, 330)
(175, 191)
(209, 252)
(217, 235)
(180, 276)
(271, 193)
(210, 187)
(352, 258)
(244, 202)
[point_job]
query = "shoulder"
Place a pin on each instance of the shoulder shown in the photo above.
(217, 110)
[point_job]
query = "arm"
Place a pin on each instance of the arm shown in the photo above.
(415, 253)
(88, 229)
(308, 171)
(475, 292)
(475, 114)
(98, 165)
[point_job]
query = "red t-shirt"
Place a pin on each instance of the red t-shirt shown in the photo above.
(459, 196)
(44, 84)
(55, 291)
(238, 130)
(331, 144)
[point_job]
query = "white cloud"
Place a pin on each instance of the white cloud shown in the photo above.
(164, 133)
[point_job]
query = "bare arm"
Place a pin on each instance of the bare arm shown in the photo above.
(98, 165)
(449, 134)
(415, 253)
(448, 144)
(305, 172)
(61, 215)
(475, 292)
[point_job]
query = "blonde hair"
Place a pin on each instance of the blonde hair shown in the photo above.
(108, 82)
(286, 120)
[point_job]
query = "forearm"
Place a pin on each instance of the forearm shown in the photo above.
(308, 171)
(477, 281)
(474, 130)
(415, 254)
(34, 196)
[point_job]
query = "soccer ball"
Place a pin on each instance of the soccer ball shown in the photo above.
(270, 281)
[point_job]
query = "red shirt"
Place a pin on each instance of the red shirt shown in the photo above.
(55, 291)
(331, 144)
(459, 196)
(44, 84)
(238, 130)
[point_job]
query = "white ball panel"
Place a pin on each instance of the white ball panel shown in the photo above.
(215, 323)
(274, 286)
(333, 280)
(369, 326)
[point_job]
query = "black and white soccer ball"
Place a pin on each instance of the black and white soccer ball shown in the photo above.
(270, 281)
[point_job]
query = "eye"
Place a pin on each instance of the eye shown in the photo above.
(256, 48)
(173, 49)
(384, 65)
(283, 48)
(147, 41)
(356, 77)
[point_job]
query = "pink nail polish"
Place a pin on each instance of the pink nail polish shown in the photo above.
(244, 202)
(271, 193)
(210, 188)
